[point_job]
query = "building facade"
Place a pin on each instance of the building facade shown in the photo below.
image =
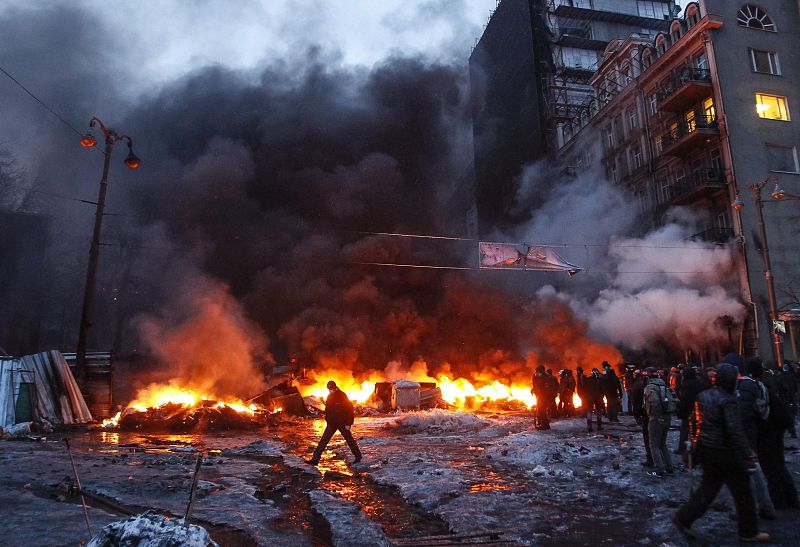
(692, 117)
(530, 74)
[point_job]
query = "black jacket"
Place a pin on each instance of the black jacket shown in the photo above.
(590, 388)
(718, 423)
(747, 393)
(611, 384)
(690, 389)
(339, 409)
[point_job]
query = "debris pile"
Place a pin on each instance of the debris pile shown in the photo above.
(153, 531)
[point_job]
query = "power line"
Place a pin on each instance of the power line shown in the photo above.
(41, 102)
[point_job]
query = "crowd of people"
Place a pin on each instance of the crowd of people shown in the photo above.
(732, 418)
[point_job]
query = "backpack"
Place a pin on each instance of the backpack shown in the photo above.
(669, 401)
(762, 402)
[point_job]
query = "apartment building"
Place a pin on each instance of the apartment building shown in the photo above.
(694, 115)
(530, 73)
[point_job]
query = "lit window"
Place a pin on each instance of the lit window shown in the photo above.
(782, 158)
(691, 122)
(771, 107)
(765, 62)
(709, 111)
(754, 17)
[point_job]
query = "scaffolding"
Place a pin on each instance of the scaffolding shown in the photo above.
(576, 51)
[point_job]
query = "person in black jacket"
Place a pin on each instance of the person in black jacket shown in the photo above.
(691, 386)
(339, 416)
(590, 390)
(782, 489)
(726, 458)
(612, 389)
(540, 387)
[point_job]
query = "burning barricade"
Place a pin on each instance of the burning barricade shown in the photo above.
(183, 410)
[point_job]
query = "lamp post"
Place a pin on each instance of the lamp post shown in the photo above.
(777, 195)
(110, 137)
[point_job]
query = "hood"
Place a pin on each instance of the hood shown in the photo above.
(736, 360)
(727, 376)
(656, 382)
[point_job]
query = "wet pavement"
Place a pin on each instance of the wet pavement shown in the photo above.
(425, 475)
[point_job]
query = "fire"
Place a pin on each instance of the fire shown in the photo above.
(462, 393)
(157, 395)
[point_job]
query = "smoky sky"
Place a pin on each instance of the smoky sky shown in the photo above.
(262, 189)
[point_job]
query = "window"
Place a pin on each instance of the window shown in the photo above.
(647, 58)
(782, 158)
(754, 17)
(765, 62)
(771, 107)
(653, 104)
(578, 58)
(680, 178)
(701, 62)
(691, 121)
(675, 31)
(654, 10)
(692, 15)
(659, 144)
(610, 138)
(709, 111)
(715, 160)
(633, 119)
(661, 44)
(636, 153)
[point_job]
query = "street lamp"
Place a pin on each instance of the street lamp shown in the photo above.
(111, 137)
(738, 205)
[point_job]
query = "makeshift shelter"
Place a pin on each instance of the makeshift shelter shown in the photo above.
(40, 386)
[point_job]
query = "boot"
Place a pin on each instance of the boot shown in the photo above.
(761, 537)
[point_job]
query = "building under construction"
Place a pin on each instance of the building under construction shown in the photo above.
(529, 75)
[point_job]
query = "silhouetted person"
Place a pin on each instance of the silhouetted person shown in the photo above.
(566, 390)
(540, 387)
(725, 456)
(612, 389)
(590, 390)
(339, 416)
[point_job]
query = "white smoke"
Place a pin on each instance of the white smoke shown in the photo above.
(636, 292)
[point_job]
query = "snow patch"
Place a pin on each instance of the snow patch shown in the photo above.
(438, 420)
(147, 530)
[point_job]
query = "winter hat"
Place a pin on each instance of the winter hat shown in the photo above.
(736, 360)
(755, 367)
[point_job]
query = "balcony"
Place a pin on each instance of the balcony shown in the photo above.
(609, 10)
(579, 37)
(686, 88)
(714, 235)
(689, 135)
(698, 184)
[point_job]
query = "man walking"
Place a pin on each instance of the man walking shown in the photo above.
(339, 416)
(656, 406)
(725, 456)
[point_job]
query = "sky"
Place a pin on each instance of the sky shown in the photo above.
(157, 41)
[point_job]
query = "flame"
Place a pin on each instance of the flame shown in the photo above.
(461, 393)
(158, 395)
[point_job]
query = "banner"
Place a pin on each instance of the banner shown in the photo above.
(523, 257)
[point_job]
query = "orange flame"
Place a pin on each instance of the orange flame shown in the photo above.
(158, 395)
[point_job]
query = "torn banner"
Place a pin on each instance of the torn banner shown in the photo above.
(523, 257)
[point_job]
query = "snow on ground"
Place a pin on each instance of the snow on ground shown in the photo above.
(147, 530)
(437, 421)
